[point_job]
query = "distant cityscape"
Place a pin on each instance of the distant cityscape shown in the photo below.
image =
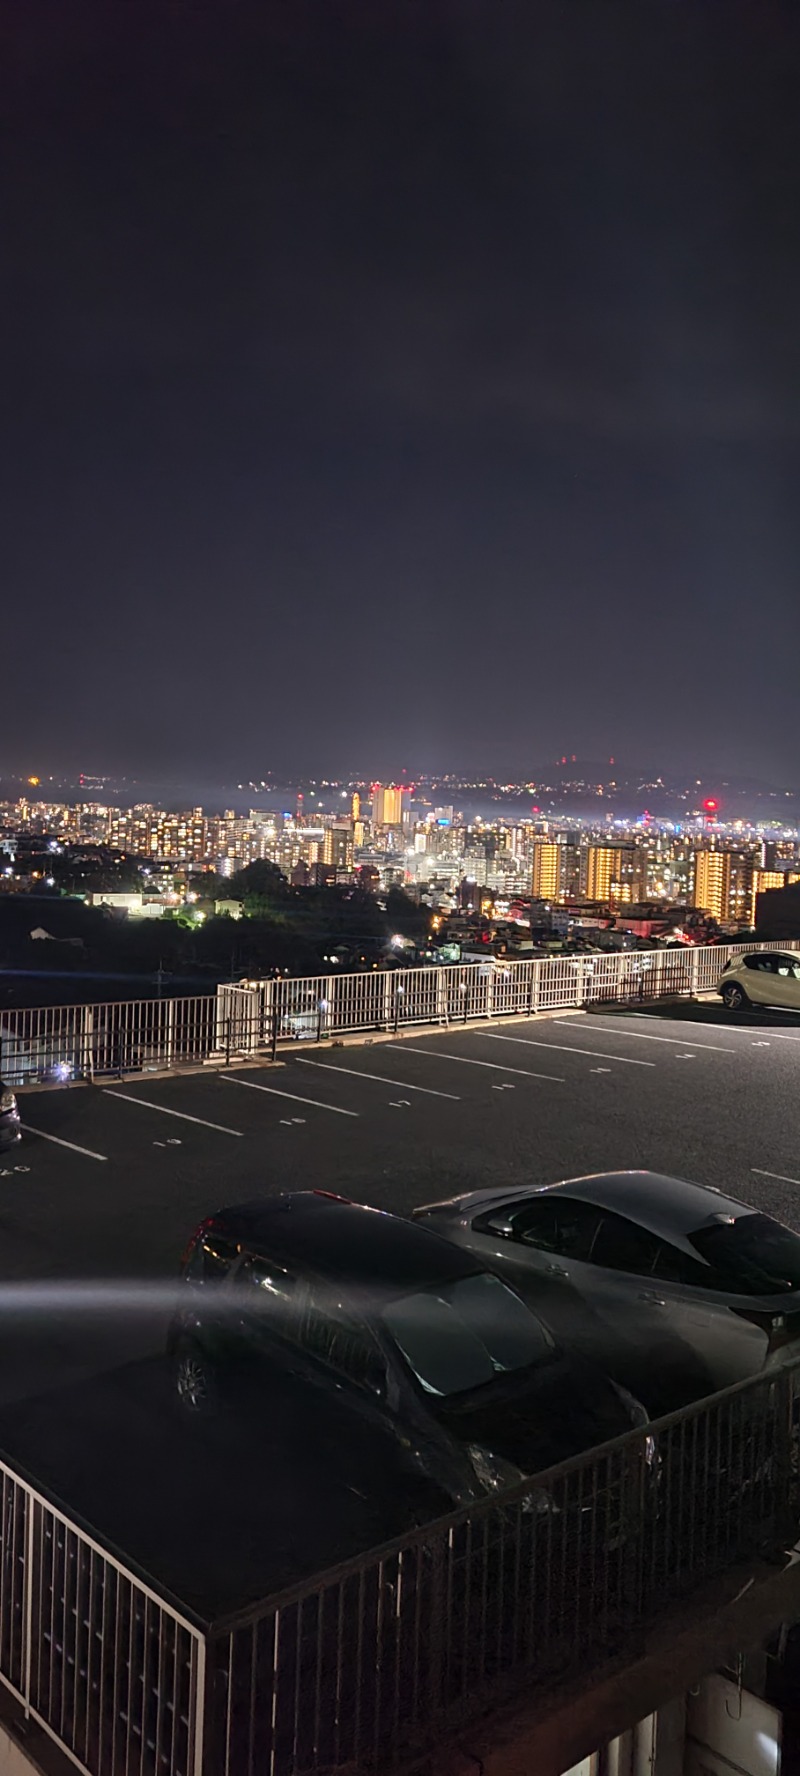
(547, 874)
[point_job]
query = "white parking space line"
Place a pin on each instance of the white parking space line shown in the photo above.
(780, 1177)
(642, 1036)
(731, 1029)
(58, 1142)
(597, 1054)
(180, 1114)
(467, 1061)
(329, 1067)
(272, 1091)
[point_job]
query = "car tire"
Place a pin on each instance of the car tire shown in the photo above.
(735, 997)
(196, 1382)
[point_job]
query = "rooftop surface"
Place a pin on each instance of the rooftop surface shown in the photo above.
(110, 1180)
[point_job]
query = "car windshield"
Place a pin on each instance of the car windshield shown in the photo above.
(461, 1335)
(756, 1254)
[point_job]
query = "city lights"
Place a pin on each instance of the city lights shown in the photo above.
(525, 874)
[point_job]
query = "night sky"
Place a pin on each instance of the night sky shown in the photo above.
(400, 383)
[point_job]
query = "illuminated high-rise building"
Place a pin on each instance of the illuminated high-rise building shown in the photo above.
(337, 847)
(545, 870)
(723, 885)
(387, 804)
(764, 879)
(711, 875)
(602, 867)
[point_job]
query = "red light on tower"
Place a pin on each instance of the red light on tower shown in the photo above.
(711, 805)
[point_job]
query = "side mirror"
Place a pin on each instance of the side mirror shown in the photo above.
(501, 1224)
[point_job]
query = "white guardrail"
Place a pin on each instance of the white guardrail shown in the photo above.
(242, 1022)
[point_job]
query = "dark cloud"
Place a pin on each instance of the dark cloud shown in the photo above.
(400, 384)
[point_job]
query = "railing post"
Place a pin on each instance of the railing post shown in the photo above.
(87, 1041)
(169, 1054)
(489, 1004)
(694, 976)
(227, 1041)
(399, 995)
(221, 1010)
(324, 1007)
(438, 1626)
(785, 1450)
(200, 1704)
(533, 988)
(27, 1607)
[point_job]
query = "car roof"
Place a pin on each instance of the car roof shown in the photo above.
(346, 1242)
(668, 1207)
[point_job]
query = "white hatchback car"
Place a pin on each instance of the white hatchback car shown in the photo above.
(761, 977)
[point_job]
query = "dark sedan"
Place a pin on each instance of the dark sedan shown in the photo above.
(414, 1337)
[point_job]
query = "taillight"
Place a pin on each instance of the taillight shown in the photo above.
(780, 1328)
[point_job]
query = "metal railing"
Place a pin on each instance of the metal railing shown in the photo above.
(241, 1022)
(371, 1663)
(110, 1670)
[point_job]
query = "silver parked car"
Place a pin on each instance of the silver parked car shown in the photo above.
(761, 977)
(674, 1289)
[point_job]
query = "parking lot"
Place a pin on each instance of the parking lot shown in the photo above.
(109, 1181)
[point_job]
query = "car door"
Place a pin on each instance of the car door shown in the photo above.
(542, 1246)
(785, 980)
(677, 1335)
(759, 979)
(266, 1303)
(728, 1345)
(639, 1327)
(344, 1352)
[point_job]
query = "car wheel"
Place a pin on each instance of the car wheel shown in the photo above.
(735, 997)
(196, 1382)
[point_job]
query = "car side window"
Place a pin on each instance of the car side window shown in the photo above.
(674, 1266)
(763, 964)
(331, 1335)
(623, 1245)
(558, 1224)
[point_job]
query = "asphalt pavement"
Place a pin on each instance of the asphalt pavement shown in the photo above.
(109, 1181)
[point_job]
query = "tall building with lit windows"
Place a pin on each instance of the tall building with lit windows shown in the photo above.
(711, 874)
(387, 804)
(545, 870)
(764, 879)
(602, 867)
(723, 885)
(337, 847)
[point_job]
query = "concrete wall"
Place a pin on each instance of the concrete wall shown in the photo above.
(730, 1732)
(13, 1761)
(717, 1730)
